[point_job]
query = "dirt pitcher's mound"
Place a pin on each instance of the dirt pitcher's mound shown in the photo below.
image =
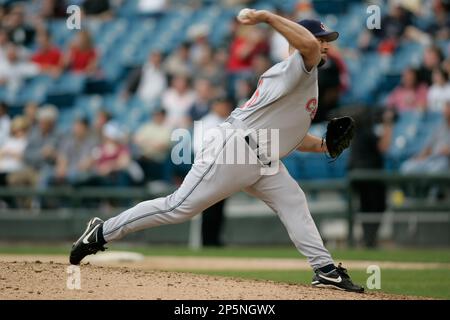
(49, 280)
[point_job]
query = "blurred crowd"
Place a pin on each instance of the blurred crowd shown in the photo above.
(424, 87)
(196, 81)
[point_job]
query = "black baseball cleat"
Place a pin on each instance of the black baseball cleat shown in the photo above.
(337, 279)
(90, 242)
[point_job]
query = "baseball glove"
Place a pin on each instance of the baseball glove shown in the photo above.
(339, 134)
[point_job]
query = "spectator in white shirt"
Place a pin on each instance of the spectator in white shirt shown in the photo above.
(153, 142)
(15, 70)
(439, 91)
(11, 155)
(12, 150)
(148, 81)
(220, 110)
(177, 100)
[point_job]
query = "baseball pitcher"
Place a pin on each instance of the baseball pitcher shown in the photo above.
(286, 101)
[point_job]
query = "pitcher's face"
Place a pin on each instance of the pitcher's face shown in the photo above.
(324, 47)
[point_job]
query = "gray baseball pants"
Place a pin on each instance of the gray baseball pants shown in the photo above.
(210, 181)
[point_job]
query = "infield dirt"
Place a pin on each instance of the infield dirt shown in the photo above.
(39, 277)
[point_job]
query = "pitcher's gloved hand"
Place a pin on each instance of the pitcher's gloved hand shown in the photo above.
(339, 134)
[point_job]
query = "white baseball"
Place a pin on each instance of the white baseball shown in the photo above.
(243, 13)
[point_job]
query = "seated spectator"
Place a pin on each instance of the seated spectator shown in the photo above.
(200, 45)
(40, 152)
(432, 59)
(11, 155)
(436, 154)
(148, 81)
(101, 119)
(177, 100)
(82, 56)
(75, 149)
(14, 71)
(214, 69)
(410, 94)
(245, 46)
(439, 27)
(439, 92)
(4, 43)
(153, 141)
(179, 61)
(48, 56)
(43, 143)
(219, 112)
(304, 9)
(209, 67)
(247, 43)
(204, 93)
(12, 150)
(30, 113)
(110, 161)
(4, 122)
(20, 33)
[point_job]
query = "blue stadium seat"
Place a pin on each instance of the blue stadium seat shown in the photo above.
(315, 166)
(68, 83)
(411, 133)
(293, 164)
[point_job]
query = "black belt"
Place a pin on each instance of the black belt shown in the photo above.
(248, 138)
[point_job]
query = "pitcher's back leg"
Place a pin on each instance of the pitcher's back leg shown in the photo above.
(284, 196)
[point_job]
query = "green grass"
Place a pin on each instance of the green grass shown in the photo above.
(425, 283)
(395, 255)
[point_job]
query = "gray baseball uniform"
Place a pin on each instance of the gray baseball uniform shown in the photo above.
(286, 99)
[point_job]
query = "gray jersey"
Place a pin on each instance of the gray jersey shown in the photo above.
(286, 99)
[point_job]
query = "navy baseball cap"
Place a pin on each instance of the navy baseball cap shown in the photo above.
(319, 30)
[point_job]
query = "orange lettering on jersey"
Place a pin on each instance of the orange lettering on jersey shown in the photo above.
(254, 97)
(311, 107)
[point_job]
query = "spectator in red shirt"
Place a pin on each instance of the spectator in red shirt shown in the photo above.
(410, 94)
(82, 56)
(110, 161)
(48, 56)
(246, 45)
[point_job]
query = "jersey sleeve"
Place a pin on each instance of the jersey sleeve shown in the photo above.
(298, 63)
(285, 76)
(279, 81)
